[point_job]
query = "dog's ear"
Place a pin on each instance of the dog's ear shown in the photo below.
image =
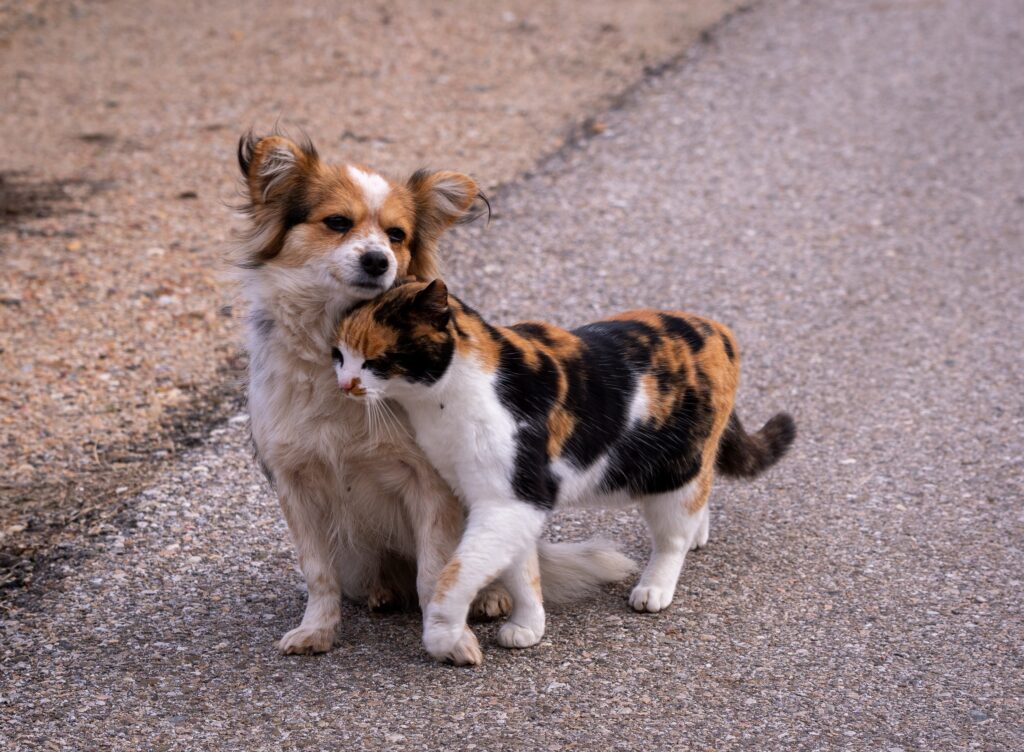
(441, 199)
(431, 304)
(273, 166)
(275, 170)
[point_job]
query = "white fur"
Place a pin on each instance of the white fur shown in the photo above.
(375, 188)
(279, 162)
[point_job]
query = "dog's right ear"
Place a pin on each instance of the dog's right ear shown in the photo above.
(276, 172)
(273, 166)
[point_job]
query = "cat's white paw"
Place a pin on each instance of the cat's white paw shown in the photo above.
(512, 635)
(701, 539)
(650, 598)
(463, 650)
(451, 640)
(307, 639)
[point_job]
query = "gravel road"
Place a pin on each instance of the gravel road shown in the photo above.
(843, 183)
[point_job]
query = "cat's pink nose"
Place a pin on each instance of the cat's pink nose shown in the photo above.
(352, 386)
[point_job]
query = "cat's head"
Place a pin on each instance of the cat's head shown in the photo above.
(400, 340)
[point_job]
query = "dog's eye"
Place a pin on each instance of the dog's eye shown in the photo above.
(338, 223)
(396, 234)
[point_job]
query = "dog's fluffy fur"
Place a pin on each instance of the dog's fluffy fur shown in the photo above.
(370, 518)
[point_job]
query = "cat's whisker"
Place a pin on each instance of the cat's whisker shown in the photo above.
(394, 419)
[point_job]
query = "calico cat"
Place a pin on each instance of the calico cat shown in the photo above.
(633, 409)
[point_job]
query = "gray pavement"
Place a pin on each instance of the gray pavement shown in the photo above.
(843, 183)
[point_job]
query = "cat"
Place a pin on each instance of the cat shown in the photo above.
(520, 420)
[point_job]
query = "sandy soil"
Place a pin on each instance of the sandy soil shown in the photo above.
(118, 336)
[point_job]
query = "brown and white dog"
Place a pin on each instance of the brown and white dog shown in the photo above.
(370, 517)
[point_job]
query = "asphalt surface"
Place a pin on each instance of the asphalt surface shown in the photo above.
(843, 183)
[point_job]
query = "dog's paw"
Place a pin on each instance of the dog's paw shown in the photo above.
(381, 598)
(513, 635)
(492, 602)
(650, 598)
(303, 640)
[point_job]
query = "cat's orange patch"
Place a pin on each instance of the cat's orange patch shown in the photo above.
(449, 576)
(535, 584)
(476, 340)
(560, 427)
(365, 336)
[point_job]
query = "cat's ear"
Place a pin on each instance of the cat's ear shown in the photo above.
(431, 305)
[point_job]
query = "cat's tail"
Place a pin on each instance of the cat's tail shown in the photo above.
(747, 455)
(571, 571)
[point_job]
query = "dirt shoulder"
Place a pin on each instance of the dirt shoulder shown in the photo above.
(118, 336)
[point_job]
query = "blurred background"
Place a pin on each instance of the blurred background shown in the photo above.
(119, 342)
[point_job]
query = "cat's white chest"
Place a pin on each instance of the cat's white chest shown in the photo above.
(465, 431)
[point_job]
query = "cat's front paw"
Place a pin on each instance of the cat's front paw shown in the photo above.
(512, 635)
(463, 650)
(650, 598)
(305, 639)
(449, 640)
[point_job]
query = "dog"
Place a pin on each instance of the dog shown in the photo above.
(370, 518)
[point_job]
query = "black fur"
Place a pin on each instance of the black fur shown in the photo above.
(744, 455)
(529, 395)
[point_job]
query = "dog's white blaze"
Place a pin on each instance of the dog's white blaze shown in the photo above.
(375, 188)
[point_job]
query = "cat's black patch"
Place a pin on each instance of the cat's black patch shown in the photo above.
(727, 343)
(647, 460)
(532, 478)
(422, 362)
(683, 329)
(529, 394)
(535, 331)
(601, 383)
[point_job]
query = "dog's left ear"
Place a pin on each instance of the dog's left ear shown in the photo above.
(442, 199)
(431, 304)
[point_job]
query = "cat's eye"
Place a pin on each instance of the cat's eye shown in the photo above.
(369, 364)
(396, 234)
(338, 223)
(336, 356)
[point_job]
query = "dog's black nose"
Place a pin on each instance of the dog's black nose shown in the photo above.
(374, 263)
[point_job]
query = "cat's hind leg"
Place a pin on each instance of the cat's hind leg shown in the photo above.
(704, 531)
(525, 626)
(676, 521)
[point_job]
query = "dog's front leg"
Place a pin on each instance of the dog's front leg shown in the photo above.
(305, 506)
(437, 522)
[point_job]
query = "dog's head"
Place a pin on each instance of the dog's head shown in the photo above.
(342, 227)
